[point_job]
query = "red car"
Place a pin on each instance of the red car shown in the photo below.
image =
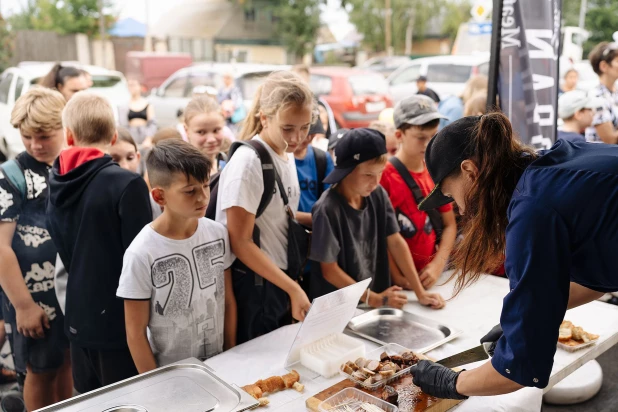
(355, 96)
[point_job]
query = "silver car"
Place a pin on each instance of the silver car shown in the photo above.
(446, 75)
(176, 91)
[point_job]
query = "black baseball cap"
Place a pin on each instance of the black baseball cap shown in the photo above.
(334, 137)
(445, 152)
(355, 147)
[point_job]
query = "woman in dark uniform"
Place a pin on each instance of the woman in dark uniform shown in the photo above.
(555, 213)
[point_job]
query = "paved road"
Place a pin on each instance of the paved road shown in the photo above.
(606, 400)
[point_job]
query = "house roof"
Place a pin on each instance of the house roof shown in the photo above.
(128, 28)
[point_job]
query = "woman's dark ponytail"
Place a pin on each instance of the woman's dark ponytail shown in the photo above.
(58, 75)
(501, 160)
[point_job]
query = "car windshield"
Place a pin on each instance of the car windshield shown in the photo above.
(448, 73)
(365, 84)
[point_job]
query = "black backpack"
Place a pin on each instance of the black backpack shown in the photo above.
(268, 173)
(320, 163)
(434, 216)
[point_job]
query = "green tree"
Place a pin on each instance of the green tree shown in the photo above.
(297, 24)
(297, 21)
(6, 45)
(455, 13)
(408, 16)
(62, 16)
(601, 22)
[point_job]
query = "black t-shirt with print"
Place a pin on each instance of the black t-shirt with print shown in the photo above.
(32, 243)
(355, 239)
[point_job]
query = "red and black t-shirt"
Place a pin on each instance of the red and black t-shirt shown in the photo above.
(415, 226)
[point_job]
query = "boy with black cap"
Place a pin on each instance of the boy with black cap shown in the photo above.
(354, 227)
(407, 182)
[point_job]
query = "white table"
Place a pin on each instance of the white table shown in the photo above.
(476, 310)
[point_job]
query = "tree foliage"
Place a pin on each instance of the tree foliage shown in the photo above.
(369, 18)
(61, 16)
(6, 45)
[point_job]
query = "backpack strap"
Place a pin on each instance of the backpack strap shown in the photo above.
(268, 170)
(320, 164)
(15, 175)
(434, 216)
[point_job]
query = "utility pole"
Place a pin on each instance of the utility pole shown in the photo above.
(148, 46)
(388, 29)
(582, 14)
(102, 32)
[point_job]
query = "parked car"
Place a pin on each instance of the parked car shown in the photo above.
(446, 75)
(176, 91)
(15, 81)
(355, 96)
(152, 68)
(385, 65)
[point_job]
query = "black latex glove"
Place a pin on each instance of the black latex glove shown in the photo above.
(436, 380)
(494, 334)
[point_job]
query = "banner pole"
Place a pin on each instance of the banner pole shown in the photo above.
(494, 59)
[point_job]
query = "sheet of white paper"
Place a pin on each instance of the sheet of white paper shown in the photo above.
(328, 315)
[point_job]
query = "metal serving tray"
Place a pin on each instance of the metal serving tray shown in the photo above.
(187, 386)
(386, 325)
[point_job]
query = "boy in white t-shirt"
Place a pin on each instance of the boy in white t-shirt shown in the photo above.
(175, 280)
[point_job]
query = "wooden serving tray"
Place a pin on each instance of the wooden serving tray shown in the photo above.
(425, 403)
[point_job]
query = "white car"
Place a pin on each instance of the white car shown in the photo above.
(15, 81)
(176, 91)
(446, 75)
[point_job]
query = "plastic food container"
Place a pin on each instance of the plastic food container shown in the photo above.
(324, 356)
(391, 349)
(350, 397)
(575, 348)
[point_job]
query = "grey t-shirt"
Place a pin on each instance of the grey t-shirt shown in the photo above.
(355, 239)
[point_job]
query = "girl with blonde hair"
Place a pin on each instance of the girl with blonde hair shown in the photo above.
(282, 112)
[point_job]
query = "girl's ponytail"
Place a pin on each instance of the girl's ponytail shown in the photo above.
(252, 124)
(501, 160)
(58, 75)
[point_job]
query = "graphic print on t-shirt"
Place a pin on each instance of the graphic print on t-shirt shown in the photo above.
(173, 277)
(40, 279)
(35, 183)
(32, 236)
(406, 225)
(6, 201)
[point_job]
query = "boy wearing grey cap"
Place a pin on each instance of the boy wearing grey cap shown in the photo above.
(576, 110)
(430, 236)
(355, 229)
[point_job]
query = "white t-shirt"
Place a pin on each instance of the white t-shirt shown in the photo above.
(184, 281)
(241, 184)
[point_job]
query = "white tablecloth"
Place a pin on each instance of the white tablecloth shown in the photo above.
(476, 310)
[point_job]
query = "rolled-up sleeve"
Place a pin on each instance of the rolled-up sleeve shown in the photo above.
(538, 262)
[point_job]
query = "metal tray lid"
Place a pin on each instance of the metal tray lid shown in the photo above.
(188, 385)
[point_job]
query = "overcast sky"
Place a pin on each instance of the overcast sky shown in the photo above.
(333, 15)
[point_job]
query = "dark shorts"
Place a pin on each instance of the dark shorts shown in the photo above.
(93, 369)
(43, 355)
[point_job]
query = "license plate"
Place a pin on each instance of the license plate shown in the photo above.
(372, 107)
